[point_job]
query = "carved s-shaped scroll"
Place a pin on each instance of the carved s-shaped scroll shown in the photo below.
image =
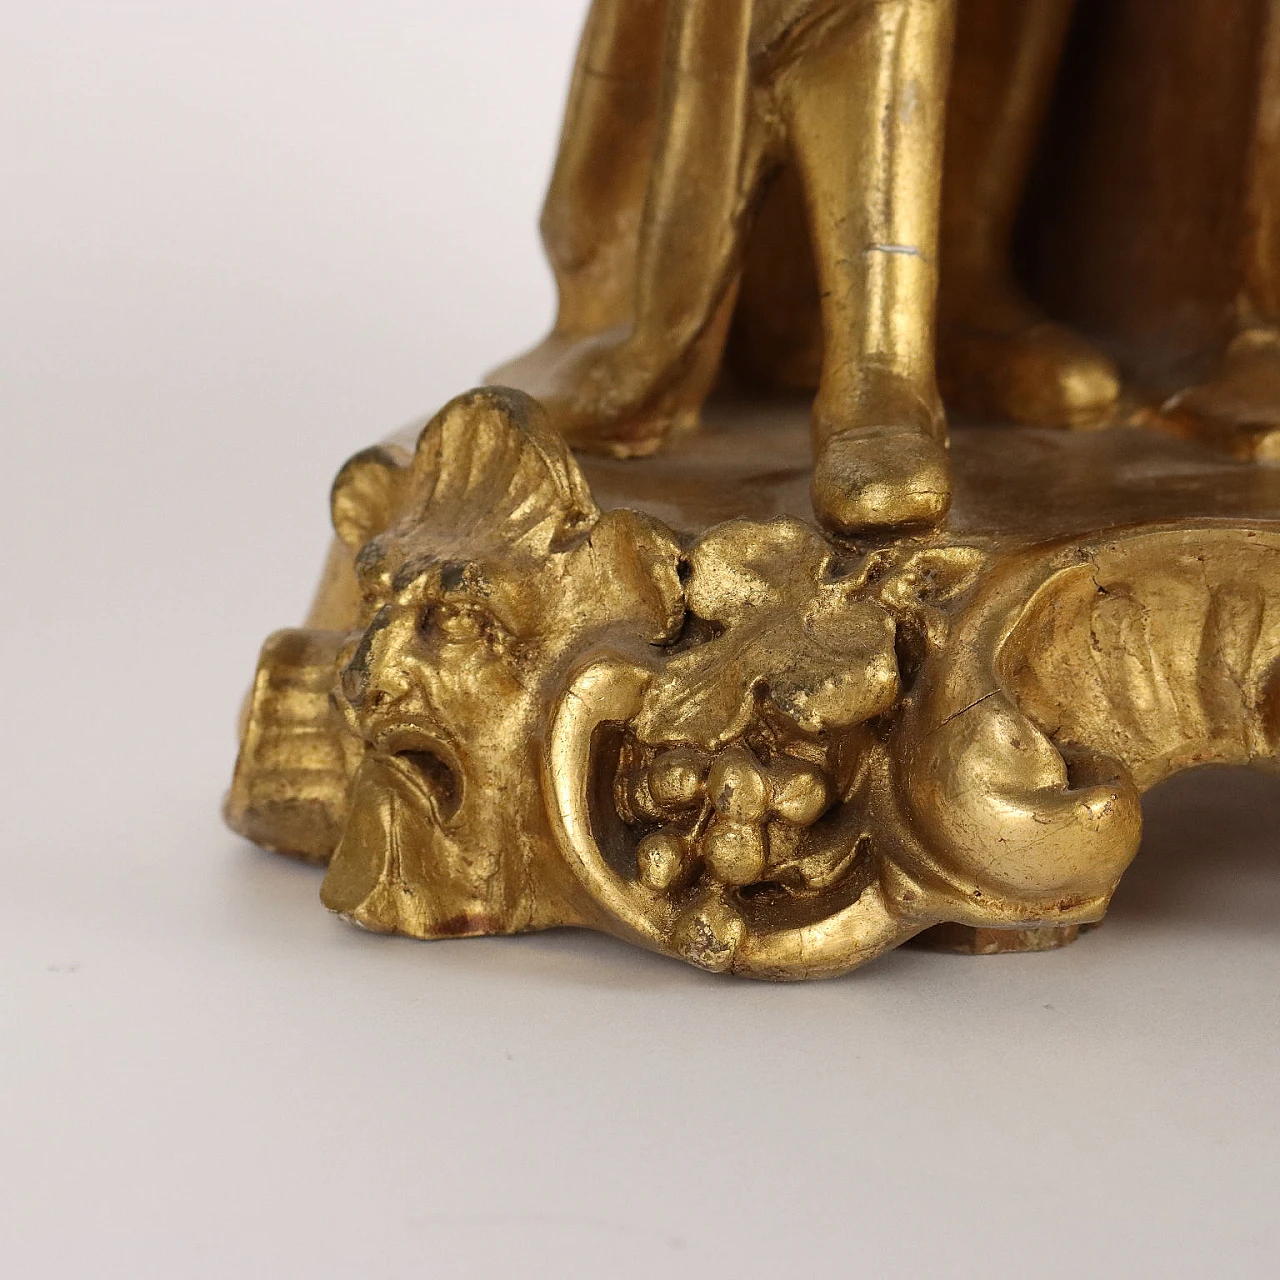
(607, 690)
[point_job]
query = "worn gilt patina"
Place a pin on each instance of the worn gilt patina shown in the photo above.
(772, 688)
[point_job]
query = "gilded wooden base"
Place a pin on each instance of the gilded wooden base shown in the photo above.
(653, 697)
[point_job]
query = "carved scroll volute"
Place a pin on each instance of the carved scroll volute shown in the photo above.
(1019, 831)
(606, 691)
(1074, 681)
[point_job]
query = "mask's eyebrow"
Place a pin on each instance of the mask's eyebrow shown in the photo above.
(448, 577)
(465, 577)
(452, 573)
(411, 571)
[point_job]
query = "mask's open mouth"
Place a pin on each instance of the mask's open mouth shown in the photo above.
(440, 780)
(427, 764)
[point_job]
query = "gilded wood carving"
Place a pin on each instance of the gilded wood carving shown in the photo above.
(781, 691)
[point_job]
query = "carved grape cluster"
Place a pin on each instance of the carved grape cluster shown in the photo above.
(730, 814)
(746, 760)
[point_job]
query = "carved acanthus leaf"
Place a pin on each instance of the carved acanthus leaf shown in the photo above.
(789, 630)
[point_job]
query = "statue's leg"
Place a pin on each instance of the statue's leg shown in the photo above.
(591, 216)
(864, 105)
(621, 389)
(1260, 296)
(998, 354)
(1240, 406)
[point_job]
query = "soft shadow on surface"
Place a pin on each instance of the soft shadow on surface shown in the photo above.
(263, 886)
(1210, 858)
(272, 895)
(278, 897)
(1210, 854)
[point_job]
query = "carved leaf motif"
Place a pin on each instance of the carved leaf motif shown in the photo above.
(490, 466)
(810, 643)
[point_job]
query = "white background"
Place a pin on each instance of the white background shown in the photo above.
(239, 240)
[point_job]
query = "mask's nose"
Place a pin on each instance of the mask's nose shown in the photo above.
(369, 679)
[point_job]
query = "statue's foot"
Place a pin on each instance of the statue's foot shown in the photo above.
(880, 478)
(885, 469)
(1239, 410)
(1004, 359)
(603, 392)
(622, 390)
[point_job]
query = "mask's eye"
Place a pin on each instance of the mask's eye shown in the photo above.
(456, 623)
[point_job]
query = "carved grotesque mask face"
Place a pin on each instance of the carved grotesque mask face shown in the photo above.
(441, 687)
(483, 564)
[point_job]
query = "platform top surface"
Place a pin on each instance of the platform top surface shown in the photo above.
(1019, 484)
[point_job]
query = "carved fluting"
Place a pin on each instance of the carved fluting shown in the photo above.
(1181, 635)
(296, 760)
(755, 747)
